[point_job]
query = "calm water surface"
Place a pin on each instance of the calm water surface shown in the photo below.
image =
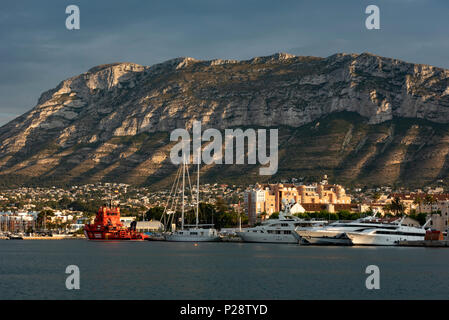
(167, 270)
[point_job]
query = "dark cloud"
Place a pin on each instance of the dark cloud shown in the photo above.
(37, 51)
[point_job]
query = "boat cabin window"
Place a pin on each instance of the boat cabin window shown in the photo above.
(399, 233)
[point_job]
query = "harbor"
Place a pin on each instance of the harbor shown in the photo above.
(214, 270)
(425, 243)
(285, 229)
(319, 213)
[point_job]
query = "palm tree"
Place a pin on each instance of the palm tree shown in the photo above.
(418, 201)
(376, 196)
(397, 206)
(387, 209)
(430, 200)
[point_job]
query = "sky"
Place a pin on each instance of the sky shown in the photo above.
(37, 51)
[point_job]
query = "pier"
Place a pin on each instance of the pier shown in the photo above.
(425, 243)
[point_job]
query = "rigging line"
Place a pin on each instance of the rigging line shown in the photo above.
(190, 187)
(170, 199)
(171, 191)
(175, 197)
(177, 192)
(190, 184)
(167, 204)
(175, 184)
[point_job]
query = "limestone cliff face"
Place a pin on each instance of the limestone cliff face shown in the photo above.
(77, 120)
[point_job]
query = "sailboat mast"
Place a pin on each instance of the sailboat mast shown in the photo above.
(240, 219)
(198, 188)
(183, 186)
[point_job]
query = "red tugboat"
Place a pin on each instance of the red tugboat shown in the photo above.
(107, 226)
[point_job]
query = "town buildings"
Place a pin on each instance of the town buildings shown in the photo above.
(265, 199)
(19, 207)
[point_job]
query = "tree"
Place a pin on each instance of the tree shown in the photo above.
(430, 200)
(387, 209)
(376, 196)
(420, 217)
(206, 212)
(42, 217)
(220, 205)
(274, 215)
(154, 213)
(418, 201)
(397, 206)
(64, 202)
(304, 215)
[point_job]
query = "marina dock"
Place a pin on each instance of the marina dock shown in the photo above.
(425, 243)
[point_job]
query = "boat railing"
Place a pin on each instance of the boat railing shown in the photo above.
(210, 225)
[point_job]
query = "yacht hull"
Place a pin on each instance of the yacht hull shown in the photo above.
(380, 240)
(324, 237)
(267, 238)
(311, 233)
(327, 241)
(191, 238)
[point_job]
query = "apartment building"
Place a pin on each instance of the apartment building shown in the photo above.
(267, 198)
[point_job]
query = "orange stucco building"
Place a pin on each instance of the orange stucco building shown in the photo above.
(267, 198)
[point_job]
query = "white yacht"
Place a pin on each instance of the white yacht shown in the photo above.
(195, 234)
(281, 230)
(190, 233)
(387, 236)
(336, 233)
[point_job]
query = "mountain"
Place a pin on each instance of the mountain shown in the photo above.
(360, 118)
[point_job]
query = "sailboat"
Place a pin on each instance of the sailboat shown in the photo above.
(190, 233)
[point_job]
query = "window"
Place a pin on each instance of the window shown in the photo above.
(399, 233)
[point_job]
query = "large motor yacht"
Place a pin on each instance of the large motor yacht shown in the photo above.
(387, 236)
(336, 233)
(281, 230)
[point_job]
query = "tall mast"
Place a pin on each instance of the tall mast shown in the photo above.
(198, 188)
(183, 185)
(240, 219)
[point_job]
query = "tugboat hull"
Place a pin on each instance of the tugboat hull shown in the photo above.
(108, 236)
(108, 227)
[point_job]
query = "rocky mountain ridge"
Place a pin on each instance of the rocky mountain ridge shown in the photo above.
(91, 122)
